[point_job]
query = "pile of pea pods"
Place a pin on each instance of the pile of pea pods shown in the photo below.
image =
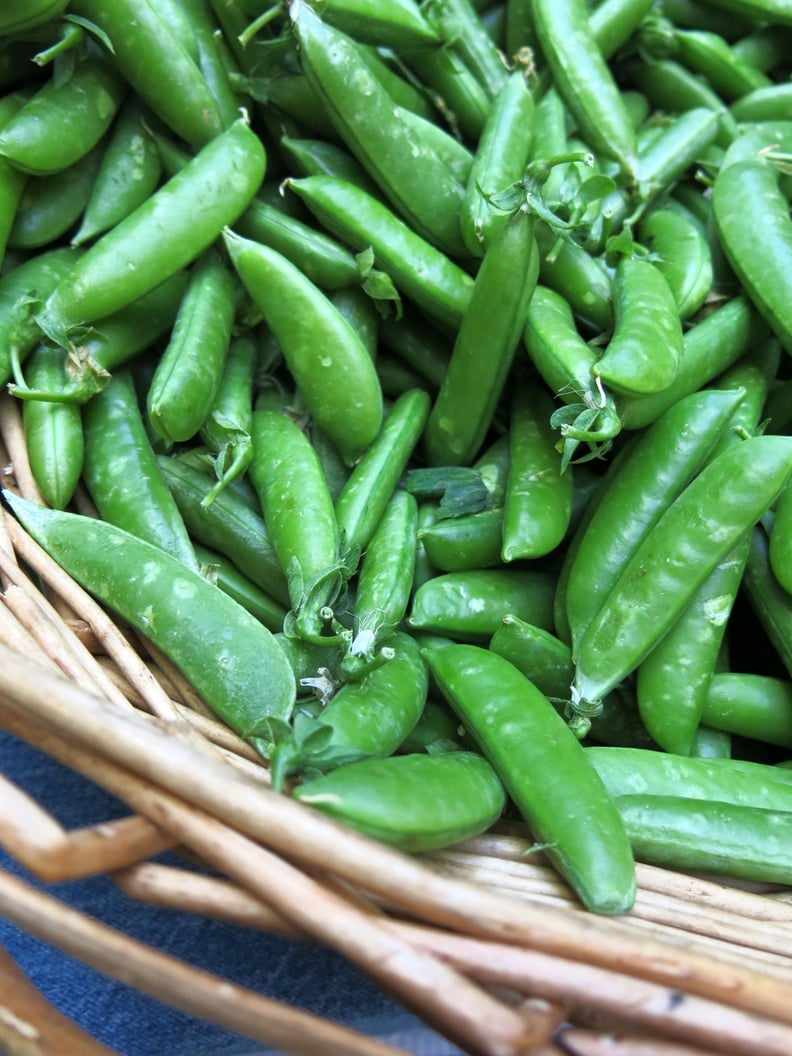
(415, 375)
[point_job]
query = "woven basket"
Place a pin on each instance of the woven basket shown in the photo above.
(483, 942)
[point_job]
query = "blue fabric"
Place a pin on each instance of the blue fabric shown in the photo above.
(306, 975)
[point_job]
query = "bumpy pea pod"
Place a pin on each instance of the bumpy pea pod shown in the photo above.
(157, 64)
(368, 718)
(188, 373)
(230, 658)
(434, 282)
(741, 782)
(697, 835)
(121, 266)
(485, 344)
(20, 287)
(386, 145)
(229, 525)
(670, 707)
(469, 606)
(538, 502)
(122, 475)
(414, 802)
(747, 198)
(63, 120)
(287, 475)
(384, 584)
(501, 156)
(722, 503)
(642, 356)
(565, 361)
(754, 706)
(129, 172)
(584, 80)
(226, 428)
(371, 483)
(542, 767)
(636, 490)
(329, 363)
(53, 432)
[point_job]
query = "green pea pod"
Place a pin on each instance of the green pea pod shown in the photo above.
(713, 838)
(584, 80)
(122, 266)
(384, 583)
(451, 150)
(754, 706)
(226, 428)
(51, 205)
(372, 481)
(538, 503)
(773, 103)
(454, 87)
(214, 58)
(364, 719)
(537, 652)
(485, 345)
(501, 156)
(464, 543)
(710, 347)
(188, 374)
(220, 571)
(12, 181)
(642, 356)
(542, 767)
(129, 172)
(386, 146)
(287, 476)
(722, 503)
(418, 344)
(579, 278)
(758, 10)
(770, 603)
(20, 15)
(329, 363)
(709, 55)
(63, 120)
(459, 24)
(229, 525)
(122, 475)
(414, 802)
(225, 653)
(635, 492)
(157, 64)
(420, 271)
(740, 782)
(318, 157)
(114, 341)
(685, 257)
(746, 198)
(387, 23)
(53, 432)
(469, 606)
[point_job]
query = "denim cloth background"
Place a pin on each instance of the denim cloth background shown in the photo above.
(306, 975)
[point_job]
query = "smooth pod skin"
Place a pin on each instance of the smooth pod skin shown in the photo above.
(328, 361)
(53, 431)
(485, 345)
(230, 658)
(220, 571)
(755, 706)
(469, 606)
(366, 718)
(747, 199)
(180, 220)
(709, 837)
(122, 475)
(228, 525)
(584, 80)
(61, 122)
(643, 354)
(188, 373)
(464, 543)
(415, 802)
(634, 494)
(226, 428)
(720, 505)
(386, 146)
(770, 603)
(686, 258)
(419, 270)
(24, 14)
(542, 766)
(158, 64)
